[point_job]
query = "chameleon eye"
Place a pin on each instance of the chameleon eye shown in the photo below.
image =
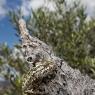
(29, 59)
(24, 46)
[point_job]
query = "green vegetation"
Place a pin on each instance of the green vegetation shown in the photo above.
(69, 33)
(11, 69)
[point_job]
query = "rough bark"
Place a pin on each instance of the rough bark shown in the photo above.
(48, 74)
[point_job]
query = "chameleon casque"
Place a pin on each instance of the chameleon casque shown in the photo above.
(48, 74)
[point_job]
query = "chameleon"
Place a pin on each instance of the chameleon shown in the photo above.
(39, 57)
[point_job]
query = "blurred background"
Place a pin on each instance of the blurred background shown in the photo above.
(66, 25)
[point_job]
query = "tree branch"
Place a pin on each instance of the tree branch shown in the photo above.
(48, 74)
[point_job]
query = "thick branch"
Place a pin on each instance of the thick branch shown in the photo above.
(49, 75)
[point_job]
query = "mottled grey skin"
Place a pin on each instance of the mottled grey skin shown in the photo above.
(31, 46)
(48, 74)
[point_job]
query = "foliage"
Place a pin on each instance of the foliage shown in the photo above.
(12, 68)
(67, 30)
(69, 33)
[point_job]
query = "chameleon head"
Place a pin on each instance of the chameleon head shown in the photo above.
(31, 54)
(33, 49)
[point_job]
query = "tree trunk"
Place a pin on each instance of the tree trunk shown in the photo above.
(48, 74)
